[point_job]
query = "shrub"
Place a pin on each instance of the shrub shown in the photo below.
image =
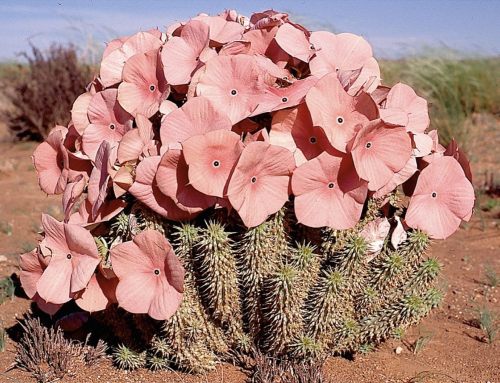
(44, 89)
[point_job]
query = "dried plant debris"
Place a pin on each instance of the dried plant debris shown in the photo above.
(48, 355)
(273, 370)
(92, 355)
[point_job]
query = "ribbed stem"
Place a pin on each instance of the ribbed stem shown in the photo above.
(281, 311)
(217, 277)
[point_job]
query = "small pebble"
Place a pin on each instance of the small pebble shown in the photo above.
(398, 350)
(3, 258)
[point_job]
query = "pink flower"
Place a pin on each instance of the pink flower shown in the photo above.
(404, 108)
(136, 141)
(322, 198)
(379, 95)
(32, 266)
(286, 97)
(260, 135)
(259, 185)
(399, 234)
(211, 158)
(144, 86)
(267, 19)
(233, 84)
(398, 178)
(197, 116)
(108, 210)
(123, 179)
(79, 112)
(72, 193)
(375, 233)
(151, 278)
(221, 30)
(344, 52)
(293, 129)
(365, 79)
(337, 113)
(108, 122)
(182, 56)
(379, 152)
(98, 295)
(99, 178)
(146, 190)
(295, 42)
(260, 40)
(74, 258)
(422, 144)
(437, 150)
(454, 151)
(50, 160)
(442, 198)
(117, 55)
(172, 180)
(235, 48)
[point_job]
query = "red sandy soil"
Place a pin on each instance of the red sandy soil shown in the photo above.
(456, 351)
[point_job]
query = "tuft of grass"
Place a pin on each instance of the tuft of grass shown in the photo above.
(7, 289)
(6, 228)
(424, 376)
(488, 322)
(421, 342)
(492, 278)
(3, 338)
(398, 333)
(27, 246)
(366, 348)
(36, 228)
(490, 204)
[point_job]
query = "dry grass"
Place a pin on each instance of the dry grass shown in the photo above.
(456, 87)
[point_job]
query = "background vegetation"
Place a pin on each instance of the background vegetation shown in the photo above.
(40, 89)
(455, 87)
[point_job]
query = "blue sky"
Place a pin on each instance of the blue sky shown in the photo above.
(393, 27)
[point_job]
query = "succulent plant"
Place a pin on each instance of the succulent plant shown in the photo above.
(242, 186)
(258, 287)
